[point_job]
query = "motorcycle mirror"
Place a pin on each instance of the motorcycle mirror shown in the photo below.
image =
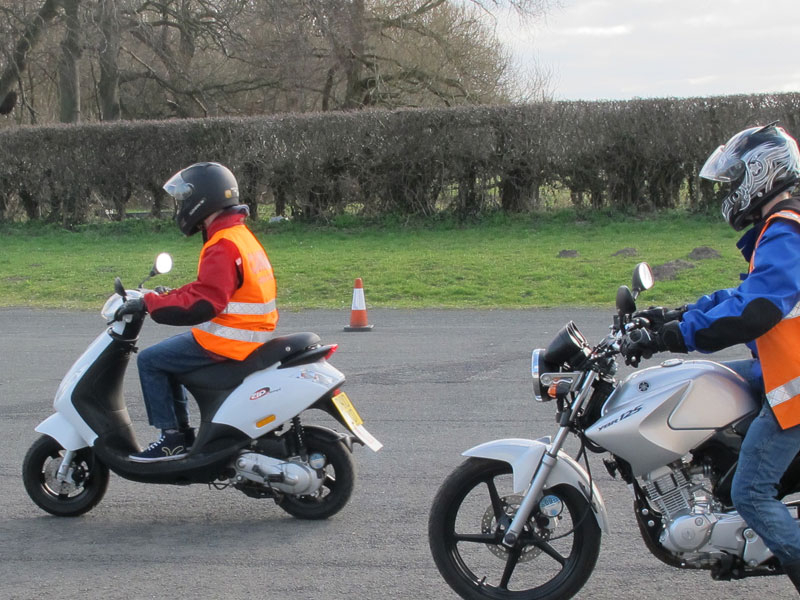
(626, 304)
(642, 278)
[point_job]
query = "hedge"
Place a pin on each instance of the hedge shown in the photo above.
(631, 155)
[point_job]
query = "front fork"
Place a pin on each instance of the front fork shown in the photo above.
(548, 462)
(65, 469)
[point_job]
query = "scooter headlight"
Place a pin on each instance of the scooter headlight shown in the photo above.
(111, 306)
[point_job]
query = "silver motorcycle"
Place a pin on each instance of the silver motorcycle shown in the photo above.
(522, 519)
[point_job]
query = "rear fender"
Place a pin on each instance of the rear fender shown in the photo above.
(327, 434)
(524, 456)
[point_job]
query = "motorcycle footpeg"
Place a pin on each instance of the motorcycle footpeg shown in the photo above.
(611, 467)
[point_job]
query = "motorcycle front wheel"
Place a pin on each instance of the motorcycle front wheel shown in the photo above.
(339, 473)
(86, 483)
(553, 559)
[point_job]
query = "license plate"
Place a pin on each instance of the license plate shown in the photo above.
(354, 421)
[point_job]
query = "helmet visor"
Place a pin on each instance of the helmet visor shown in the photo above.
(723, 165)
(178, 188)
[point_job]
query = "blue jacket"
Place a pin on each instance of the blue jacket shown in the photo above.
(766, 295)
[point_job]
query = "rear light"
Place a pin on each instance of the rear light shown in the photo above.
(332, 350)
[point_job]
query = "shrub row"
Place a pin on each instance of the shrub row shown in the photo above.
(640, 154)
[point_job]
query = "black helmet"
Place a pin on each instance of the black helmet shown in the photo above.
(201, 190)
(759, 163)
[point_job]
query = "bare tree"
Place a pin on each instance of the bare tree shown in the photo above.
(68, 68)
(28, 38)
(110, 28)
(196, 58)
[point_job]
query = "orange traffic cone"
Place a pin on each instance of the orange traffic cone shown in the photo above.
(358, 313)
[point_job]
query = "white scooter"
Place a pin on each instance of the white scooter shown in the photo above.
(250, 436)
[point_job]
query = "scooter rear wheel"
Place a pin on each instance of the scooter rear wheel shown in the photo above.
(85, 486)
(336, 489)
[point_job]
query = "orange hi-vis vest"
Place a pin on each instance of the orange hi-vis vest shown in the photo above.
(779, 353)
(251, 316)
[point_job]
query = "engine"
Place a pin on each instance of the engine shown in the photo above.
(288, 476)
(694, 527)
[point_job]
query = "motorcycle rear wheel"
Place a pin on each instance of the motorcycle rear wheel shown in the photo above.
(337, 488)
(474, 506)
(89, 479)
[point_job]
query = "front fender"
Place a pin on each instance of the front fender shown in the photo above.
(62, 431)
(524, 456)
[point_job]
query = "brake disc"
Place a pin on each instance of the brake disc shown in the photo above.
(489, 527)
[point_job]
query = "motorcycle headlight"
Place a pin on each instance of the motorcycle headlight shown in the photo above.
(569, 347)
(539, 366)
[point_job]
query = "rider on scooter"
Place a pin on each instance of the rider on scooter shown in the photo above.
(761, 166)
(231, 304)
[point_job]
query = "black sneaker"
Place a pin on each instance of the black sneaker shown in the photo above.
(170, 446)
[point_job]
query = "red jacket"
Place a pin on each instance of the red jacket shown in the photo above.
(218, 277)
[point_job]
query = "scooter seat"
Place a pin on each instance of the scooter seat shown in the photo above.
(228, 374)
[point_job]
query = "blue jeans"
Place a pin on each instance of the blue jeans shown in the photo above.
(765, 455)
(164, 398)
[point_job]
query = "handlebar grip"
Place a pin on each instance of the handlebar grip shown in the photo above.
(639, 335)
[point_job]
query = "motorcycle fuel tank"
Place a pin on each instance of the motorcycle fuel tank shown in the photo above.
(658, 414)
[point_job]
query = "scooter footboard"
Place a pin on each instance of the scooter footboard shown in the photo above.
(524, 456)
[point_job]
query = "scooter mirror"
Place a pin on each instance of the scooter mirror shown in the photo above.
(642, 278)
(163, 264)
(119, 288)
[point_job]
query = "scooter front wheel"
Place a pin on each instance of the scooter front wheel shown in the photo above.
(83, 488)
(557, 548)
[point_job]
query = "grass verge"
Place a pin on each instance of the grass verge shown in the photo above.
(501, 262)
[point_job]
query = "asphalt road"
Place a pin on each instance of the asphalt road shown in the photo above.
(430, 384)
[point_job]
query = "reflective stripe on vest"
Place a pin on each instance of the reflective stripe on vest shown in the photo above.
(779, 353)
(238, 335)
(248, 308)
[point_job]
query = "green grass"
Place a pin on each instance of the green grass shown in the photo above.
(500, 263)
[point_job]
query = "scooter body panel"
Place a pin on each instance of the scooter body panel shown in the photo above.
(63, 404)
(267, 399)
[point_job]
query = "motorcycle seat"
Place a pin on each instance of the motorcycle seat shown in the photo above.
(228, 374)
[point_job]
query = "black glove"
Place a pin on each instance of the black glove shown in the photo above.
(643, 343)
(640, 343)
(658, 315)
(160, 289)
(135, 306)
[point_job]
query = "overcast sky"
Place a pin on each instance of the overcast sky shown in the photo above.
(622, 49)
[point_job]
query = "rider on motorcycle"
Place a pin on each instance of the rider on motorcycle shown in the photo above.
(761, 166)
(231, 304)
